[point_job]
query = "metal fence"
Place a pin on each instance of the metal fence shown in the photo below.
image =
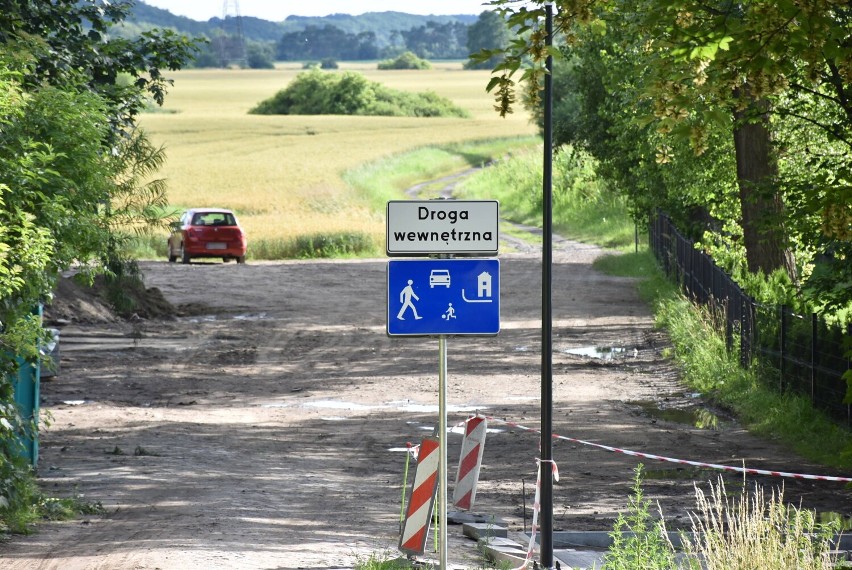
(804, 352)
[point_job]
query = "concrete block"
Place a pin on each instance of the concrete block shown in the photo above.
(477, 531)
(579, 559)
(503, 550)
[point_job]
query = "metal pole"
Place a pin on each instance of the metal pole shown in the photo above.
(547, 312)
(442, 429)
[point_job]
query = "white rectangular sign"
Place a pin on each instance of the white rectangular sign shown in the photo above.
(458, 227)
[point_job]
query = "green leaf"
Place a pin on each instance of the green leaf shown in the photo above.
(495, 81)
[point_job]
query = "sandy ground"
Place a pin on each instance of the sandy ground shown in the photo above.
(265, 427)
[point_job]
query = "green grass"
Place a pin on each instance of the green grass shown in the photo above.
(707, 366)
(380, 181)
(323, 245)
(383, 561)
(742, 531)
(639, 540)
(584, 208)
(43, 508)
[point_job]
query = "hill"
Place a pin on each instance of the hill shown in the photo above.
(382, 24)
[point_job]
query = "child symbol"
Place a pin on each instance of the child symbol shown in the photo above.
(450, 313)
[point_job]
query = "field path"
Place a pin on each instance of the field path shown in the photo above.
(266, 426)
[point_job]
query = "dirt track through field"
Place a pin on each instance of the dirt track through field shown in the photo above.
(265, 428)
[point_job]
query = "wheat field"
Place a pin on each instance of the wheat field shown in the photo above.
(283, 175)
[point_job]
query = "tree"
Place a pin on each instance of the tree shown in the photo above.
(260, 55)
(74, 170)
(327, 42)
(755, 71)
(489, 32)
(435, 40)
(67, 44)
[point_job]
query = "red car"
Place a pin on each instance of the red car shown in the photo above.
(207, 232)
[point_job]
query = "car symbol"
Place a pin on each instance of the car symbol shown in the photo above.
(439, 277)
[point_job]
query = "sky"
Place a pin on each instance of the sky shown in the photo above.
(278, 10)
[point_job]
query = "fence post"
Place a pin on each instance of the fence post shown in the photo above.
(729, 323)
(783, 335)
(849, 367)
(813, 356)
(745, 345)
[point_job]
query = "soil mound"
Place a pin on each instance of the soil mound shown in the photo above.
(76, 302)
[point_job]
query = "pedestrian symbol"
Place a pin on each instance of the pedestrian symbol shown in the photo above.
(443, 296)
(405, 297)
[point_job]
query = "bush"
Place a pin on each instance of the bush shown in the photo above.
(349, 93)
(328, 63)
(407, 60)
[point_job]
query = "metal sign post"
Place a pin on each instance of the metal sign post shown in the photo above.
(443, 296)
(442, 469)
(547, 313)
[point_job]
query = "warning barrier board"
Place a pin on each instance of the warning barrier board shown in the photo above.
(415, 529)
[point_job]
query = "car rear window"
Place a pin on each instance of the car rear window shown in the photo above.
(214, 219)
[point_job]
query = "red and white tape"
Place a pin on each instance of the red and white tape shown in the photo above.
(744, 470)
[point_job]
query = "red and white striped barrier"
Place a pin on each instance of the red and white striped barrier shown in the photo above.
(467, 475)
(412, 539)
(743, 470)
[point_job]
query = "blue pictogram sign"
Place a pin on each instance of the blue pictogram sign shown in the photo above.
(443, 297)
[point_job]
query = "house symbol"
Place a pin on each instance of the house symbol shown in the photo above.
(483, 288)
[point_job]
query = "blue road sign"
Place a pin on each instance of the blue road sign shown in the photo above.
(443, 297)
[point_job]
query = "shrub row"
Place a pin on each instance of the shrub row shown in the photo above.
(349, 93)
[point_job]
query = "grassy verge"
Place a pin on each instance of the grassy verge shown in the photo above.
(739, 531)
(383, 180)
(584, 208)
(707, 366)
(38, 507)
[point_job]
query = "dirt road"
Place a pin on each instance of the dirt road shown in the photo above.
(264, 428)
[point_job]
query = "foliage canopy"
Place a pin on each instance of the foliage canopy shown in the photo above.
(734, 117)
(74, 170)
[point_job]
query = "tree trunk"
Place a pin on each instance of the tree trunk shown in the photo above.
(761, 205)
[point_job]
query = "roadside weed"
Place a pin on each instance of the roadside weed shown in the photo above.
(639, 541)
(756, 531)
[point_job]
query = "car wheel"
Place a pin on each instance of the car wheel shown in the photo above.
(226, 259)
(184, 257)
(241, 259)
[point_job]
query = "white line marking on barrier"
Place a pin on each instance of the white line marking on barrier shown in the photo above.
(467, 475)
